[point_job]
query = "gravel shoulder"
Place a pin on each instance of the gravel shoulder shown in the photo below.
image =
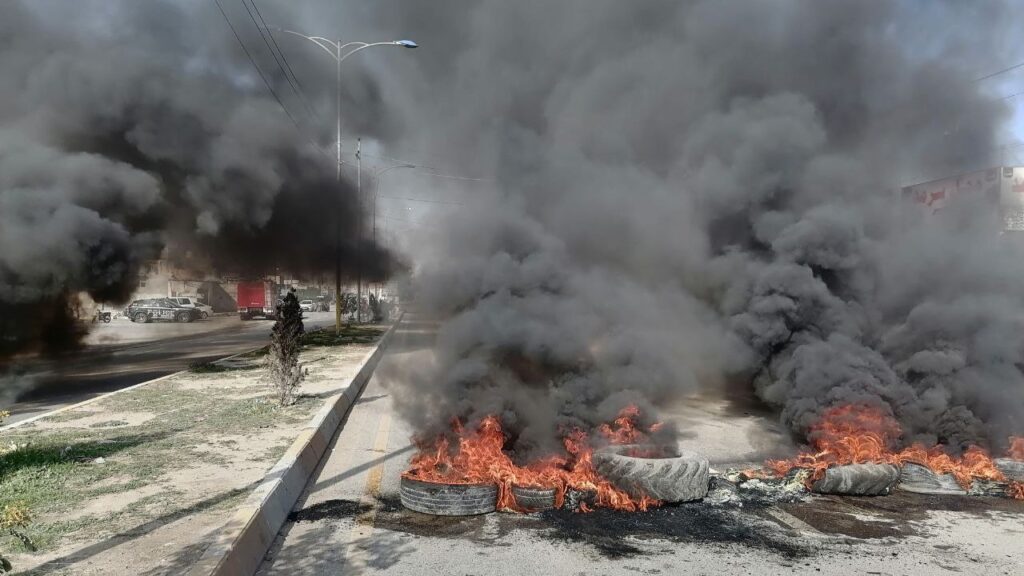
(133, 483)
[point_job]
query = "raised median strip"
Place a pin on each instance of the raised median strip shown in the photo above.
(239, 546)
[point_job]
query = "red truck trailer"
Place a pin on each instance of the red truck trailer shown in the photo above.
(257, 299)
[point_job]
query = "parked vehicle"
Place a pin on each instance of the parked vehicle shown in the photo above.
(102, 316)
(307, 306)
(257, 299)
(160, 309)
(322, 304)
(205, 311)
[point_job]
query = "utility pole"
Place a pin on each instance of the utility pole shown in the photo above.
(337, 50)
(377, 175)
(359, 231)
(337, 215)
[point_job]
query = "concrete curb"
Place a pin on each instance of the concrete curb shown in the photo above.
(109, 394)
(240, 545)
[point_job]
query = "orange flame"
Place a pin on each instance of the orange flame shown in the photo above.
(480, 458)
(854, 434)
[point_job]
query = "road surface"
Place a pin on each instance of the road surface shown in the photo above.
(349, 519)
(141, 353)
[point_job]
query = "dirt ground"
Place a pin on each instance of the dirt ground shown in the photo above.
(133, 484)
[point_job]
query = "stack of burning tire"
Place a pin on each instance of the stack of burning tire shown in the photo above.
(639, 470)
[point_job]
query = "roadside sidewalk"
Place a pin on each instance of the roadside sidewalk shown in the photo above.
(132, 484)
(331, 527)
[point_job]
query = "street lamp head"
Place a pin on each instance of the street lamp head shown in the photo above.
(407, 43)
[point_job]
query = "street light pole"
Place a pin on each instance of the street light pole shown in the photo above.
(337, 51)
(376, 190)
(359, 230)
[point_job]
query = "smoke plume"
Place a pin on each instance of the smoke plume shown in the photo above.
(678, 194)
(131, 131)
(688, 193)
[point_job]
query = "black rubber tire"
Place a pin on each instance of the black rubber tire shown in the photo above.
(858, 480)
(1013, 469)
(534, 499)
(921, 480)
(204, 315)
(678, 478)
(183, 317)
(140, 318)
(448, 499)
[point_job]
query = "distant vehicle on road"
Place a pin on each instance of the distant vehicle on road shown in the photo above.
(307, 306)
(205, 311)
(160, 309)
(257, 299)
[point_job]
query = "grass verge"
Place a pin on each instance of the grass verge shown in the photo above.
(350, 334)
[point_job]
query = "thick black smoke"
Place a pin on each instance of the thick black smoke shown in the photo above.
(131, 131)
(693, 192)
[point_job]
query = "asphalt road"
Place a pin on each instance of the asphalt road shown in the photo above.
(349, 519)
(122, 354)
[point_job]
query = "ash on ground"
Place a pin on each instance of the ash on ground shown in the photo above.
(739, 488)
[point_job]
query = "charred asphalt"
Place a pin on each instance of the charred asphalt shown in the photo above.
(622, 535)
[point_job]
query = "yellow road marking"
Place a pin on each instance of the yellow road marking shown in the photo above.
(356, 554)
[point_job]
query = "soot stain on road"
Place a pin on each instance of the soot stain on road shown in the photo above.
(684, 523)
(604, 530)
(328, 510)
(896, 513)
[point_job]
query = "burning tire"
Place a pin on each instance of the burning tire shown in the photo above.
(1012, 469)
(645, 471)
(534, 499)
(858, 480)
(448, 499)
(921, 480)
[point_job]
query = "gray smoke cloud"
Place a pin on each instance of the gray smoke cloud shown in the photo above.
(683, 194)
(690, 193)
(133, 130)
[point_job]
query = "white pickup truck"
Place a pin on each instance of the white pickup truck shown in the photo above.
(190, 302)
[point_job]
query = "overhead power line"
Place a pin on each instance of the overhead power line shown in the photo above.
(282, 62)
(266, 82)
(422, 200)
(999, 72)
(253, 62)
(453, 177)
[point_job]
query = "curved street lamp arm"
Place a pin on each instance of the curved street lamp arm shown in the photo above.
(365, 46)
(324, 43)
